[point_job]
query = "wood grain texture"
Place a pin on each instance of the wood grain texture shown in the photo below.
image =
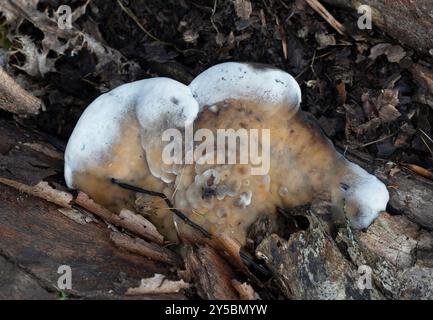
(35, 238)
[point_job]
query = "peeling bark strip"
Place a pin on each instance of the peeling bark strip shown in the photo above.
(408, 21)
(15, 99)
(144, 248)
(132, 222)
(42, 190)
(210, 273)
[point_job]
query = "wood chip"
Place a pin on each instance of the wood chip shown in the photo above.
(246, 292)
(158, 284)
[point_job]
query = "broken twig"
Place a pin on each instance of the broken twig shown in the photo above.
(161, 195)
(320, 9)
(134, 223)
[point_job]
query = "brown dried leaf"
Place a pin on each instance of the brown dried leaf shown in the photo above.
(395, 54)
(37, 63)
(389, 113)
(423, 76)
(386, 103)
(369, 108)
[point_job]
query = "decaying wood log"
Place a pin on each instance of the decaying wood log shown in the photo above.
(15, 99)
(313, 265)
(410, 195)
(35, 239)
(18, 284)
(408, 21)
(389, 248)
(310, 266)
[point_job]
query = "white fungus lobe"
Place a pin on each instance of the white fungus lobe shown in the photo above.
(254, 82)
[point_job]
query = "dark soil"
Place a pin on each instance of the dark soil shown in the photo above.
(342, 87)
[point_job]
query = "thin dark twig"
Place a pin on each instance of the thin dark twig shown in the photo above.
(161, 195)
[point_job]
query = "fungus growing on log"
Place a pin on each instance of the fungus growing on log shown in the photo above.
(129, 133)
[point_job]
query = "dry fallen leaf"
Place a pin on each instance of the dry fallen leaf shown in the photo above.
(37, 63)
(393, 53)
(386, 103)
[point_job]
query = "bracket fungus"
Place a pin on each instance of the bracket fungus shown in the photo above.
(124, 134)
